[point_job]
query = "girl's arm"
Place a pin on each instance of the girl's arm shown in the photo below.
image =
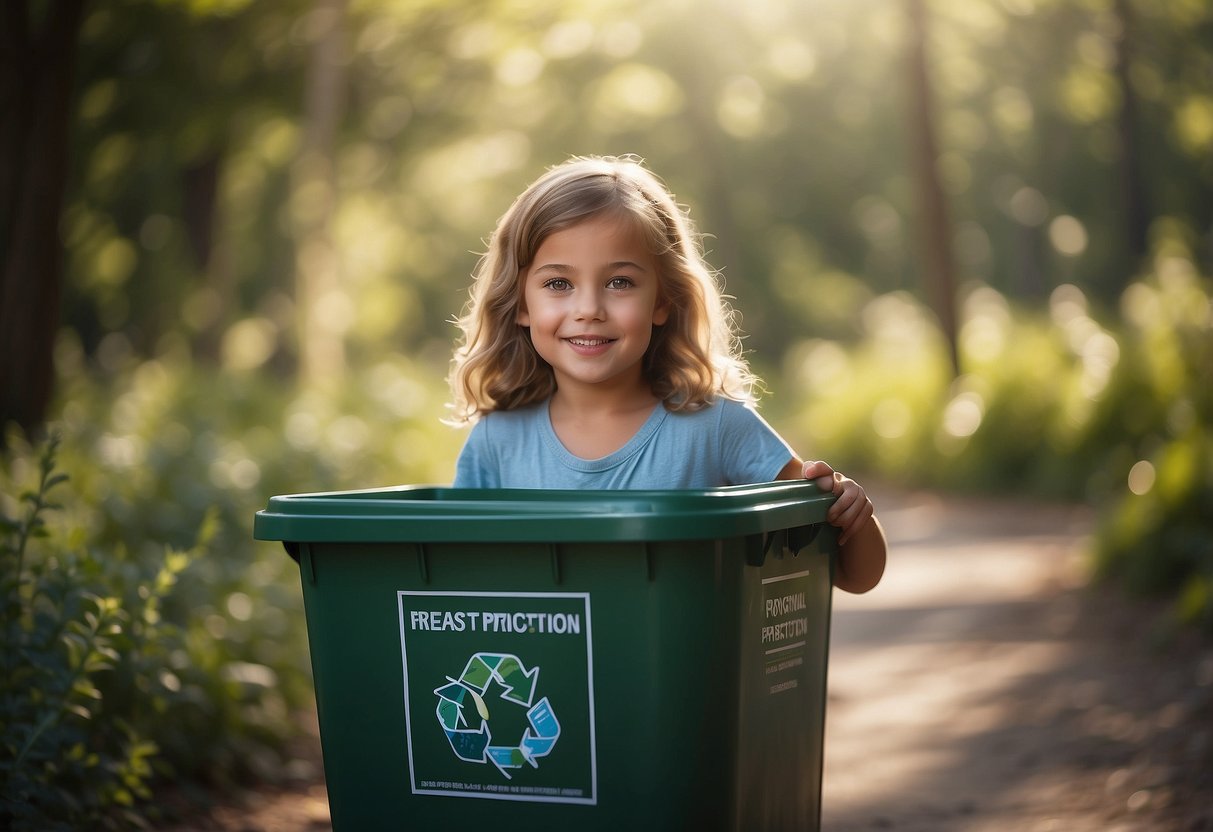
(862, 549)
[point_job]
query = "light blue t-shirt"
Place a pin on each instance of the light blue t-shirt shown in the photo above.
(726, 443)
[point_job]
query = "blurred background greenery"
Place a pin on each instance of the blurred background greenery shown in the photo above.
(970, 241)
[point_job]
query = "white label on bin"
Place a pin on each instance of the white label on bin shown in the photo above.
(499, 695)
(785, 629)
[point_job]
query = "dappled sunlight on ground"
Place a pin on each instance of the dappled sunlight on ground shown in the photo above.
(979, 689)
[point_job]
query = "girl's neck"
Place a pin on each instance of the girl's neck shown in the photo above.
(594, 424)
(609, 403)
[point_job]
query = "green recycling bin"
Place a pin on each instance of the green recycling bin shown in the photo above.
(540, 660)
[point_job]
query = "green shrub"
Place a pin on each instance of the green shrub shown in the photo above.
(157, 446)
(77, 630)
(147, 637)
(1156, 536)
(1111, 408)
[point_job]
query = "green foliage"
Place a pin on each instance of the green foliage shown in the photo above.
(186, 637)
(1159, 541)
(778, 124)
(1115, 414)
(1158, 537)
(156, 445)
(75, 631)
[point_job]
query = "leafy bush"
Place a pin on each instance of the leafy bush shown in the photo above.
(1157, 536)
(77, 631)
(1077, 404)
(205, 664)
(156, 445)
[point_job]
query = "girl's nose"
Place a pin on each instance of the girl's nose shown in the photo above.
(589, 306)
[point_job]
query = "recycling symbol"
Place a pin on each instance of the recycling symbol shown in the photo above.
(475, 745)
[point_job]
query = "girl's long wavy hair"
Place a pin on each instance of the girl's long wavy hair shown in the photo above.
(693, 358)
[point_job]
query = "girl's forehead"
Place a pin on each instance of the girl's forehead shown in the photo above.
(618, 222)
(616, 226)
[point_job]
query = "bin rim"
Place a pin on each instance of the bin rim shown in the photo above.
(441, 514)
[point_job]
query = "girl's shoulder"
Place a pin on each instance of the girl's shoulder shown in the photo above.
(716, 410)
(513, 418)
(727, 418)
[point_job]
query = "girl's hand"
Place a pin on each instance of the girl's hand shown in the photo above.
(852, 509)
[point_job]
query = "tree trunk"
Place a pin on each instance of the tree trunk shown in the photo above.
(210, 248)
(1134, 210)
(317, 275)
(937, 263)
(36, 75)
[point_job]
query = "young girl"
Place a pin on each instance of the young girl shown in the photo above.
(599, 353)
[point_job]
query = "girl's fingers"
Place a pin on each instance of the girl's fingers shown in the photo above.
(848, 492)
(851, 510)
(846, 518)
(866, 512)
(820, 472)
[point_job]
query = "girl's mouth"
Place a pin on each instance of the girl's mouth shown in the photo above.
(589, 347)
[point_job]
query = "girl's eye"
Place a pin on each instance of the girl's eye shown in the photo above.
(620, 283)
(558, 284)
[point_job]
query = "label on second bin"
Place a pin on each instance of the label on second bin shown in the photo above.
(785, 629)
(499, 695)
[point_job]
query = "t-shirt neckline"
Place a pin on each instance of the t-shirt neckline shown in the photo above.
(629, 449)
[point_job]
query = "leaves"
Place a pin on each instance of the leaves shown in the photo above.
(69, 758)
(148, 588)
(1083, 405)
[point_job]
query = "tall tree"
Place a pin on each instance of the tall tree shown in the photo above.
(37, 57)
(1134, 210)
(314, 199)
(938, 265)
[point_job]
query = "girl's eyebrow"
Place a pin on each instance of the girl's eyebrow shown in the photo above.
(623, 264)
(618, 264)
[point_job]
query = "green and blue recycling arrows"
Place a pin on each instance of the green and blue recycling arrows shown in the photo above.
(518, 688)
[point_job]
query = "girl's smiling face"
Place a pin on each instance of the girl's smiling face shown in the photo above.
(591, 300)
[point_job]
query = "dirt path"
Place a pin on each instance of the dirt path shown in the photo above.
(979, 688)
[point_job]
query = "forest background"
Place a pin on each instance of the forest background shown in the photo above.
(969, 241)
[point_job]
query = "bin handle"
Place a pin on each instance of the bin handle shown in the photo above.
(802, 536)
(758, 545)
(423, 562)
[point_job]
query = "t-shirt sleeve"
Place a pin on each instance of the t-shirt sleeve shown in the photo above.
(750, 448)
(477, 464)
